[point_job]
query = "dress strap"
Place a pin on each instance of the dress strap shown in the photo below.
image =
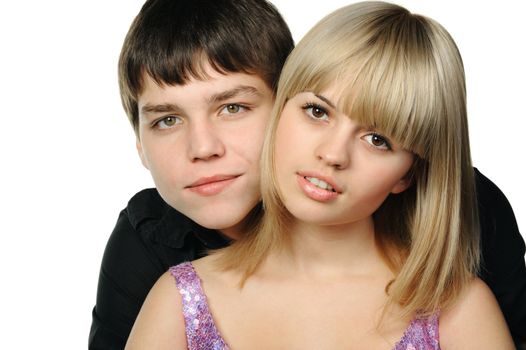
(422, 334)
(201, 332)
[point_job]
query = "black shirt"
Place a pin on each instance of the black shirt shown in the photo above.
(150, 236)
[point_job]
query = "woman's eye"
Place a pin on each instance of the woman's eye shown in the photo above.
(378, 141)
(232, 108)
(316, 112)
(168, 122)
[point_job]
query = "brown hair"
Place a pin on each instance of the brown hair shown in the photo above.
(171, 40)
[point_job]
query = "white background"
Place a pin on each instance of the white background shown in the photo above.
(68, 158)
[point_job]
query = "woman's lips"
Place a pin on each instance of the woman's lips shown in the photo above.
(314, 192)
(209, 186)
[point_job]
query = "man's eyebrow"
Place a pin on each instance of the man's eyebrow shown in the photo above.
(215, 98)
(238, 90)
(326, 100)
(160, 108)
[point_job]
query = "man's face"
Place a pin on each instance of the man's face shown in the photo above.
(202, 141)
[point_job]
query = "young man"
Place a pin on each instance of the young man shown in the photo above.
(197, 82)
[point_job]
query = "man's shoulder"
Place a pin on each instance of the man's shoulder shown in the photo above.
(147, 208)
(152, 220)
(135, 225)
(495, 212)
(147, 195)
(503, 251)
(487, 191)
(149, 236)
(146, 205)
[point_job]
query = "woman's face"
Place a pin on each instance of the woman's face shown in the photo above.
(330, 170)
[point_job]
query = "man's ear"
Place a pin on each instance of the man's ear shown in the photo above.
(138, 145)
(402, 185)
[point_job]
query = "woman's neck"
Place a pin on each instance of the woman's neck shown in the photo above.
(332, 251)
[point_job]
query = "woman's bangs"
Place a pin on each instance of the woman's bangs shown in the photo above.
(397, 98)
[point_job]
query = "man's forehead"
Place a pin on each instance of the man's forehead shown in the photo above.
(216, 86)
(202, 69)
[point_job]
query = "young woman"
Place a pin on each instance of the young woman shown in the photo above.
(369, 238)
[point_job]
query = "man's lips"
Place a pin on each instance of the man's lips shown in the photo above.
(211, 179)
(209, 186)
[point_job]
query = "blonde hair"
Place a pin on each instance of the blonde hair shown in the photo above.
(402, 74)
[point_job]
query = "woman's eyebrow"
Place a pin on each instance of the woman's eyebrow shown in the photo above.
(326, 100)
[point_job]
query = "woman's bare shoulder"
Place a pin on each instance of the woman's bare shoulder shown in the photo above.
(209, 268)
(475, 321)
(160, 323)
(207, 264)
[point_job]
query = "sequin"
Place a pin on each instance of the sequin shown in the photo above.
(422, 334)
(202, 334)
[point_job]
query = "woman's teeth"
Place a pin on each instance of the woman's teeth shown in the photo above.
(319, 183)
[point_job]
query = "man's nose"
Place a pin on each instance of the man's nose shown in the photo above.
(204, 142)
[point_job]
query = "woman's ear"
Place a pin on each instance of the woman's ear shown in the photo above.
(406, 181)
(402, 185)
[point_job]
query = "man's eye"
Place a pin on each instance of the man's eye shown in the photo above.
(378, 141)
(316, 111)
(232, 108)
(168, 122)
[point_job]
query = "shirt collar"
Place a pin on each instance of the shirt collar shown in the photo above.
(173, 229)
(151, 216)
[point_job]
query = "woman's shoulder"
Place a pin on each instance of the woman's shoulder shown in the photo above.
(210, 271)
(160, 323)
(474, 321)
(207, 263)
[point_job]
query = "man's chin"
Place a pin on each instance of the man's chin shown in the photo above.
(218, 220)
(230, 225)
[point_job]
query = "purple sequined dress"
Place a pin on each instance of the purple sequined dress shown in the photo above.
(202, 334)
